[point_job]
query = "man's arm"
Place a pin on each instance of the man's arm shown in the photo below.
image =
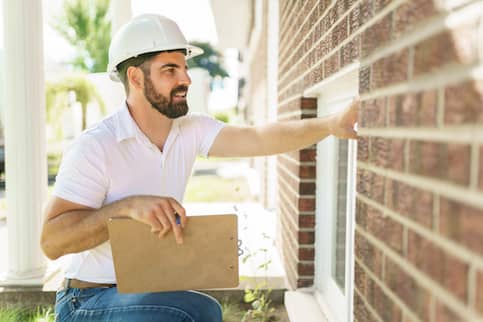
(281, 137)
(72, 228)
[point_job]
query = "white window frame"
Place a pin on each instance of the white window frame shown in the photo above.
(333, 95)
(325, 301)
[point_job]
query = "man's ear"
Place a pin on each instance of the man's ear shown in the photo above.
(135, 77)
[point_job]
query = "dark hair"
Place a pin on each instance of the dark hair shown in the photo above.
(137, 62)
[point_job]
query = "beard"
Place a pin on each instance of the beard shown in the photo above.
(163, 104)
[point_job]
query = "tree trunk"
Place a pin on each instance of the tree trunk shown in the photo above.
(84, 116)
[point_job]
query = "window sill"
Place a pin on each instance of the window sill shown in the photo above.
(302, 306)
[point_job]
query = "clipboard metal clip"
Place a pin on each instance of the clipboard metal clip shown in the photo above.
(240, 250)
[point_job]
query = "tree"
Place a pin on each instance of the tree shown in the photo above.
(57, 97)
(209, 60)
(86, 26)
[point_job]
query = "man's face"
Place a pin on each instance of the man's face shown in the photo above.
(166, 84)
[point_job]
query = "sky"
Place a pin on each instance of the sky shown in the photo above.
(194, 17)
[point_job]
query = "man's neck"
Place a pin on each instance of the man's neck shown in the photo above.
(153, 124)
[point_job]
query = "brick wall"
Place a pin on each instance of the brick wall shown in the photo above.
(419, 232)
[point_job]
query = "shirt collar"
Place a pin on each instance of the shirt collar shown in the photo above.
(125, 124)
(127, 128)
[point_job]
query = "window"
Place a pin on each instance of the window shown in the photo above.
(335, 203)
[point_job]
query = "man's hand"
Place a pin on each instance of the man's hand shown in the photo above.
(158, 212)
(343, 124)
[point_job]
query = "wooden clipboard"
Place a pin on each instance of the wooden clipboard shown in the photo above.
(208, 258)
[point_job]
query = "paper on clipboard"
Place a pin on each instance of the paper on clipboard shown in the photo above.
(208, 257)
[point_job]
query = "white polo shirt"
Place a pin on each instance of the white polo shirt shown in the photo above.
(114, 160)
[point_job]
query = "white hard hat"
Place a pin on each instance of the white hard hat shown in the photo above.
(144, 34)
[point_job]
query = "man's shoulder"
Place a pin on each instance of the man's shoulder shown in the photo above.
(194, 119)
(97, 136)
(102, 131)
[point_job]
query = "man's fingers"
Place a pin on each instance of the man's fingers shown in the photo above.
(156, 225)
(181, 212)
(351, 135)
(178, 233)
(163, 232)
(170, 214)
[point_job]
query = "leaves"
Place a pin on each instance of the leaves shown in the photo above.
(57, 97)
(209, 60)
(85, 25)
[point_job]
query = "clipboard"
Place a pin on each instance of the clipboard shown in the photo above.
(208, 257)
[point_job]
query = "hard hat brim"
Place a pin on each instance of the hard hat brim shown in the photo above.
(191, 51)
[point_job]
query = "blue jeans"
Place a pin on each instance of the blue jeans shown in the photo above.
(106, 304)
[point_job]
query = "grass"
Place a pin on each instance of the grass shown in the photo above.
(211, 188)
(19, 315)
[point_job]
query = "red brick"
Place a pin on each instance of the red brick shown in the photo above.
(479, 291)
(360, 279)
(462, 223)
(371, 185)
(390, 70)
(443, 161)
(380, 4)
(306, 221)
(330, 18)
(464, 103)
(305, 269)
(410, 14)
(331, 64)
(445, 314)
(384, 228)
(373, 113)
(363, 149)
(361, 312)
(368, 254)
(448, 47)
(364, 80)
(306, 254)
(307, 172)
(376, 35)
(367, 11)
(354, 19)
(410, 202)
(458, 163)
(307, 188)
(308, 154)
(438, 265)
(306, 204)
(413, 109)
(308, 103)
(385, 308)
(306, 237)
(322, 7)
(388, 153)
(361, 214)
(407, 289)
(339, 33)
(427, 108)
(350, 52)
(305, 282)
(480, 176)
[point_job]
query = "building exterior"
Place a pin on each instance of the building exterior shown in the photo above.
(390, 228)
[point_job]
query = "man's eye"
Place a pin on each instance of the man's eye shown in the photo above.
(169, 70)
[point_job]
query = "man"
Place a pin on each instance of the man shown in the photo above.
(137, 163)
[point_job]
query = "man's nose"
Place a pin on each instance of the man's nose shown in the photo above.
(185, 78)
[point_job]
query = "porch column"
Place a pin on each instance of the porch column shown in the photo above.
(121, 13)
(25, 146)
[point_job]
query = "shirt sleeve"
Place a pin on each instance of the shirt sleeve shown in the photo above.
(82, 175)
(207, 129)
